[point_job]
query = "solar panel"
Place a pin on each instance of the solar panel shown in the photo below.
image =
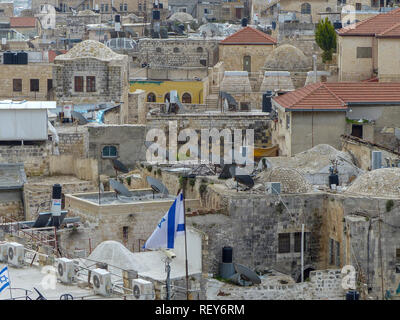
(120, 188)
(42, 220)
(62, 216)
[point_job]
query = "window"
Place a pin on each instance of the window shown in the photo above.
(186, 98)
(199, 50)
(364, 52)
(176, 50)
(102, 7)
(34, 85)
(78, 84)
(297, 242)
(17, 85)
(125, 7)
(167, 97)
(306, 8)
(49, 84)
(358, 6)
(140, 7)
(106, 7)
(203, 62)
(109, 152)
(151, 97)
(207, 11)
(331, 251)
(357, 130)
(182, 10)
(121, 7)
(90, 84)
(337, 249)
(125, 233)
(283, 242)
(328, 9)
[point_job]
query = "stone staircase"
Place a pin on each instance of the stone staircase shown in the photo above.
(212, 101)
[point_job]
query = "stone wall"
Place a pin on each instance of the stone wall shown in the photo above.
(73, 144)
(11, 205)
(34, 157)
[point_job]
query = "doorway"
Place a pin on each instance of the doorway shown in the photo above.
(247, 63)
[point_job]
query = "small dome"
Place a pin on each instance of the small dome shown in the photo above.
(292, 181)
(287, 57)
(181, 17)
(90, 49)
(383, 182)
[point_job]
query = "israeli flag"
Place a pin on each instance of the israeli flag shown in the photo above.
(170, 226)
(4, 279)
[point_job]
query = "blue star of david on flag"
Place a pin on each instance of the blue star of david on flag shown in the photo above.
(4, 279)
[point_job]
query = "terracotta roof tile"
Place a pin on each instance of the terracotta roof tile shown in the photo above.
(248, 35)
(16, 22)
(375, 25)
(337, 95)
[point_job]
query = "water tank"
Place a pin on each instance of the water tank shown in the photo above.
(156, 15)
(8, 57)
(352, 295)
(22, 57)
(266, 102)
(56, 191)
(333, 179)
(227, 254)
(244, 22)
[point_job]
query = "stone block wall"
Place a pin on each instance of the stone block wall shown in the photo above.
(34, 157)
(73, 143)
(12, 209)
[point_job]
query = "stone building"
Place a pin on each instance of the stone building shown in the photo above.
(246, 50)
(322, 112)
(91, 73)
(366, 49)
(30, 27)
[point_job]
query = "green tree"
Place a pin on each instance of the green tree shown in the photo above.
(325, 36)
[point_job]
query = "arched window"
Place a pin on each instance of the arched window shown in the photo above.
(109, 152)
(328, 9)
(176, 50)
(186, 98)
(166, 97)
(151, 97)
(305, 8)
(199, 50)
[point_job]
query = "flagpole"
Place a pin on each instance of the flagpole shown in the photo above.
(9, 280)
(186, 259)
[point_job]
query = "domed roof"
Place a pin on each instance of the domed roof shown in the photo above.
(287, 57)
(181, 17)
(292, 181)
(380, 183)
(90, 49)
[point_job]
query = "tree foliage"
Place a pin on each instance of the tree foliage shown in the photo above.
(325, 36)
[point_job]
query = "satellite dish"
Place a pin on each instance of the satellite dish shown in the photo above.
(247, 273)
(120, 188)
(119, 166)
(78, 116)
(157, 186)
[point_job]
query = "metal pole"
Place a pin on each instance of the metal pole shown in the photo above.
(168, 281)
(186, 259)
(9, 281)
(302, 252)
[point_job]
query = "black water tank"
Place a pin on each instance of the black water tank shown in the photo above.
(156, 15)
(227, 254)
(8, 57)
(22, 57)
(352, 295)
(333, 179)
(117, 18)
(56, 191)
(244, 22)
(266, 102)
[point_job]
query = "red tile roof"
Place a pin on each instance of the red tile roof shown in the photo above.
(248, 35)
(377, 25)
(29, 22)
(338, 95)
(54, 53)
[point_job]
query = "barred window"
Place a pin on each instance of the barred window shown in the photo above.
(78, 84)
(109, 152)
(283, 242)
(91, 84)
(17, 85)
(34, 85)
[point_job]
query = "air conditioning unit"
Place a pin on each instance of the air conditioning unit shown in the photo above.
(3, 252)
(65, 270)
(142, 290)
(273, 187)
(16, 254)
(101, 280)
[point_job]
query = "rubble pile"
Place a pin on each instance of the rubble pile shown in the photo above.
(383, 182)
(292, 181)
